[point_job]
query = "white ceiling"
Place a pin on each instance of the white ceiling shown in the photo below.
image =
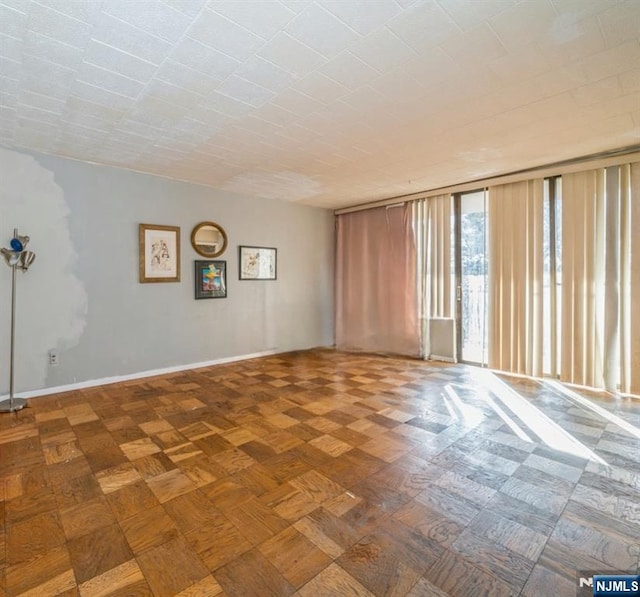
(327, 102)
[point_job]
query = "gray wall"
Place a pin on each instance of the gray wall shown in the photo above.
(82, 294)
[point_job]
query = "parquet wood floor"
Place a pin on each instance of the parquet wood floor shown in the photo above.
(317, 473)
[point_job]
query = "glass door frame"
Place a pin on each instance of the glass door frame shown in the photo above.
(457, 247)
(457, 231)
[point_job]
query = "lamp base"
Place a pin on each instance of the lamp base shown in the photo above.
(10, 406)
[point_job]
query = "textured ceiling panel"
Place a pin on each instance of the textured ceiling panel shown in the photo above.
(326, 102)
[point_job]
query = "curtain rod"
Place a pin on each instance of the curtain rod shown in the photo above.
(600, 160)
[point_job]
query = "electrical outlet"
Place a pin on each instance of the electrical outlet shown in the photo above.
(53, 357)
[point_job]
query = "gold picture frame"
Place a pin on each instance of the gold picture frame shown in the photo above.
(159, 253)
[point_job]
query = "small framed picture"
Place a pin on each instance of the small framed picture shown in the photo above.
(211, 279)
(159, 253)
(258, 263)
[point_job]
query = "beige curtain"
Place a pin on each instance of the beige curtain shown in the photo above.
(600, 337)
(583, 278)
(432, 221)
(625, 276)
(515, 277)
(376, 290)
(613, 243)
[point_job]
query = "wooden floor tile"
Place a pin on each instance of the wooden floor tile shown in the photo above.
(19, 432)
(316, 472)
(131, 499)
(170, 439)
(288, 502)
(449, 504)
(252, 575)
(601, 523)
(258, 450)
(61, 452)
(286, 466)
(297, 558)
(191, 511)
(233, 461)
(538, 497)
(148, 528)
(67, 471)
(127, 578)
(258, 479)
(510, 534)
(377, 491)
(156, 426)
(379, 570)
(410, 546)
(153, 465)
(98, 551)
(207, 587)
(316, 486)
(63, 584)
(341, 503)
(433, 525)
(86, 517)
(172, 567)
(466, 488)
(564, 561)
(281, 441)
(117, 477)
(218, 542)
(455, 575)
(544, 582)
(493, 557)
(256, 521)
(139, 448)
(239, 436)
(105, 458)
(227, 493)
(332, 581)
(423, 588)
(26, 506)
(313, 532)
(33, 537)
(601, 546)
(76, 491)
(37, 571)
(182, 451)
(170, 485)
(617, 506)
(538, 519)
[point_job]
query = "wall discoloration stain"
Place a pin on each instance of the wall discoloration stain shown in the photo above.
(52, 302)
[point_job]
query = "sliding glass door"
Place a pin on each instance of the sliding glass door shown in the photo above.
(471, 276)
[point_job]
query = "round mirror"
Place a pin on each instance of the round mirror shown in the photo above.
(208, 239)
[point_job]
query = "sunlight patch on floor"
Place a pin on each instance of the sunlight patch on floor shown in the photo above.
(552, 434)
(471, 415)
(584, 402)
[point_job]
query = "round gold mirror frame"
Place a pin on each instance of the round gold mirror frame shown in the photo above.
(208, 239)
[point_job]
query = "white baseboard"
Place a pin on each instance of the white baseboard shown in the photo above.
(92, 383)
(435, 357)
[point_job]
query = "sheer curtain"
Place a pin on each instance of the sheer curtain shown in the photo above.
(631, 323)
(432, 218)
(376, 290)
(515, 277)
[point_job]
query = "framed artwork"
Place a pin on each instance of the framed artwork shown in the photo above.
(211, 279)
(159, 253)
(257, 263)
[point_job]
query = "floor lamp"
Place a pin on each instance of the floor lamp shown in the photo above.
(16, 257)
